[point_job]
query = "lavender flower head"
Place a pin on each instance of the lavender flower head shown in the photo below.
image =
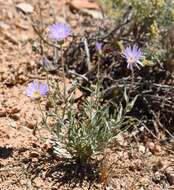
(133, 56)
(98, 46)
(36, 90)
(59, 31)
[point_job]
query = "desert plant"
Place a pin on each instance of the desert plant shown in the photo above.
(81, 133)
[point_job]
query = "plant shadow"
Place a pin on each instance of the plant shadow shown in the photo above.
(73, 174)
(64, 172)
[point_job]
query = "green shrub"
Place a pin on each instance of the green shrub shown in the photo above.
(84, 132)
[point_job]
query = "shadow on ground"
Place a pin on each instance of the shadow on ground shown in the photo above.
(64, 173)
(5, 152)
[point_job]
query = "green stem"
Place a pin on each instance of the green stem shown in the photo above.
(133, 77)
(98, 82)
(64, 81)
(43, 117)
(63, 70)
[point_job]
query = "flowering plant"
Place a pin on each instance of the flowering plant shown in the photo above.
(81, 133)
(36, 90)
(133, 56)
(59, 31)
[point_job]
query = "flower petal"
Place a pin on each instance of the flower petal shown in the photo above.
(140, 63)
(133, 56)
(43, 89)
(59, 31)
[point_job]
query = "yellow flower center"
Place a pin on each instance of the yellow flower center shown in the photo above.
(36, 94)
(131, 60)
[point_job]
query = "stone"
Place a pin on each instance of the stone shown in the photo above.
(25, 7)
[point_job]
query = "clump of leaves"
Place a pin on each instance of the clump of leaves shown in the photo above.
(85, 131)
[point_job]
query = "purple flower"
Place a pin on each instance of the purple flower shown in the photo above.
(133, 56)
(36, 90)
(59, 31)
(98, 46)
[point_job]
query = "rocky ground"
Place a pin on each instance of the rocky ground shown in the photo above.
(26, 161)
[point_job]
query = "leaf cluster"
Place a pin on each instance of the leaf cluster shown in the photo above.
(83, 132)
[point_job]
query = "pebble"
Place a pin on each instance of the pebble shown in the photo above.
(4, 26)
(25, 7)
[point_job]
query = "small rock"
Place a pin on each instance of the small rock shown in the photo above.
(34, 159)
(158, 176)
(3, 25)
(151, 146)
(25, 7)
(154, 148)
(13, 124)
(142, 148)
(34, 155)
